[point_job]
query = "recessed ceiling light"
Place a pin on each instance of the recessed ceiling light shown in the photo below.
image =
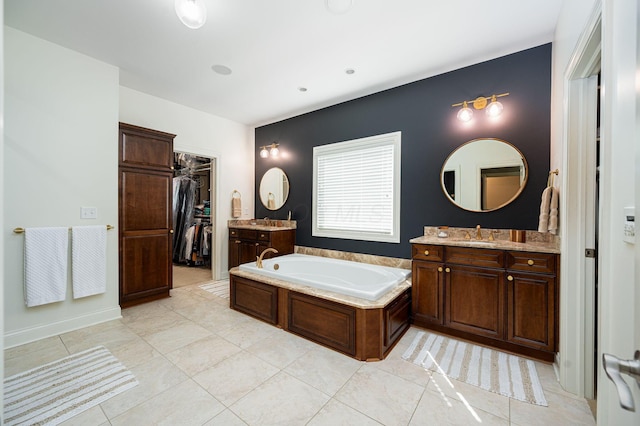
(338, 7)
(350, 71)
(221, 69)
(302, 89)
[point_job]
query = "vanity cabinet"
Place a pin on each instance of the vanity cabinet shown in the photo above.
(501, 298)
(247, 244)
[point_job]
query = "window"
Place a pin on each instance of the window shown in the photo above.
(356, 189)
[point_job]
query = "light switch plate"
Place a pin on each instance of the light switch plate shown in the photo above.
(88, 212)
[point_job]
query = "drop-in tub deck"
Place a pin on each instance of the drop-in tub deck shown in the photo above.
(349, 323)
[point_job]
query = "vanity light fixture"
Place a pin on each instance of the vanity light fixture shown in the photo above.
(493, 109)
(270, 150)
(192, 13)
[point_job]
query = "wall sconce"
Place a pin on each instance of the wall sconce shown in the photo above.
(493, 108)
(270, 150)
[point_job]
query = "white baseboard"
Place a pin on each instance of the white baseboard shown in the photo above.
(31, 334)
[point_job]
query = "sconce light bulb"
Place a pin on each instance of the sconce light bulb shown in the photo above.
(465, 114)
(264, 153)
(495, 108)
(274, 151)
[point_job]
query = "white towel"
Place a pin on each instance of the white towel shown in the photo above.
(543, 221)
(88, 260)
(46, 253)
(236, 207)
(553, 211)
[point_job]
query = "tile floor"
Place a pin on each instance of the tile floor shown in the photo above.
(200, 363)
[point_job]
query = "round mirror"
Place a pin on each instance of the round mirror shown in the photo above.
(274, 188)
(484, 175)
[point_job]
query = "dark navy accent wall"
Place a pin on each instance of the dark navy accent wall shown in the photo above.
(430, 131)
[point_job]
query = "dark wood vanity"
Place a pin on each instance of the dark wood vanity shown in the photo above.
(246, 243)
(503, 298)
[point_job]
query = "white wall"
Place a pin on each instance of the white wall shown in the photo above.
(207, 135)
(60, 153)
(1, 196)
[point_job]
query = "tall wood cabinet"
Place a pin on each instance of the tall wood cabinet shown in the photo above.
(145, 186)
(502, 298)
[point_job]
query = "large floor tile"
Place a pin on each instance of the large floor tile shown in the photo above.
(176, 337)
(247, 333)
(336, 413)
(110, 334)
(476, 397)
(185, 404)
(281, 348)
(231, 379)
(281, 400)
(382, 396)
(154, 377)
(324, 369)
(202, 354)
(226, 418)
(32, 355)
(561, 410)
(150, 322)
(92, 417)
(437, 409)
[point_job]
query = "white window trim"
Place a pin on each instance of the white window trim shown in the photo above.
(394, 139)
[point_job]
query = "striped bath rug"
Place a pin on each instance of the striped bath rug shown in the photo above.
(219, 288)
(495, 371)
(55, 392)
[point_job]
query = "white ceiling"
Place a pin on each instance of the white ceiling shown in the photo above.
(274, 47)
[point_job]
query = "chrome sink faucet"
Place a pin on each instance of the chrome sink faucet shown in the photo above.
(259, 258)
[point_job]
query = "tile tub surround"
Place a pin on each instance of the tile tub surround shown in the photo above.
(262, 224)
(535, 241)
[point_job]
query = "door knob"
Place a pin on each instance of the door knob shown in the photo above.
(614, 367)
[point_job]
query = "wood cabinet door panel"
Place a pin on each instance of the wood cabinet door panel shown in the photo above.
(145, 200)
(396, 317)
(322, 321)
(145, 148)
(541, 263)
(475, 300)
(427, 252)
(427, 292)
(145, 265)
(531, 310)
(256, 299)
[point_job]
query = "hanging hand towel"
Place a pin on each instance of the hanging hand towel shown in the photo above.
(45, 265)
(543, 222)
(553, 211)
(88, 260)
(236, 205)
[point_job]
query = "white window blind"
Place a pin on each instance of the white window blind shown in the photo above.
(357, 189)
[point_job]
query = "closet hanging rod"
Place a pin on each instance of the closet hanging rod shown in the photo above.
(21, 230)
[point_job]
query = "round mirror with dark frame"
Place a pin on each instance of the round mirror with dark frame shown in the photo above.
(483, 175)
(274, 188)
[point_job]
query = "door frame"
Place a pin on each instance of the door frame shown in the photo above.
(216, 258)
(577, 277)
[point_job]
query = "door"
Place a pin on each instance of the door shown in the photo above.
(428, 292)
(144, 214)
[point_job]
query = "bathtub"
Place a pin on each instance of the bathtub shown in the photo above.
(361, 280)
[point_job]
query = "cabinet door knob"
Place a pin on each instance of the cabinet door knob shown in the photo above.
(171, 231)
(530, 262)
(440, 269)
(257, 244)
(426, 252)
(447, 270)
(238, 241)
(510, 278)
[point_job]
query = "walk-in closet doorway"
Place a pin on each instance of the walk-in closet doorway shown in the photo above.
(194, 207)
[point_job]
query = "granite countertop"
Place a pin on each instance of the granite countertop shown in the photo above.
(262, 224)
(325, 294)
(535, 241)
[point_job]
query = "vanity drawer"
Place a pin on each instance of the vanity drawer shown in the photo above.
(475, 257)
(427, 252)
(247, 234)
(543, 263)
(233, 233)
(264, 236)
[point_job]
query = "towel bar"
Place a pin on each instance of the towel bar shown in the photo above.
(21, 230)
